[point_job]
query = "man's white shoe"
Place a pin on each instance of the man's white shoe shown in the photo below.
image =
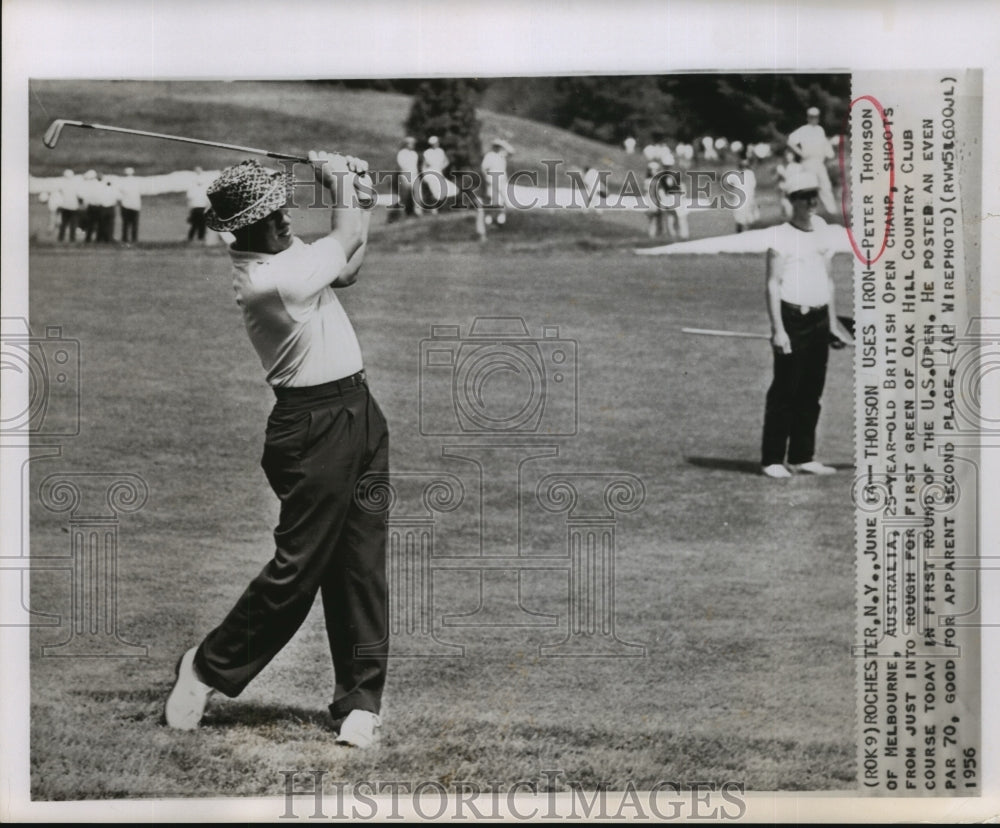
(186, 702)
(776, 470)
(360, 729)
(814, 467)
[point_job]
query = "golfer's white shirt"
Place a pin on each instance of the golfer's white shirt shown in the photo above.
(293, 317)
(801, 262)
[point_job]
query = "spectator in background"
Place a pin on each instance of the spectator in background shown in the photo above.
(629, 144)
(800, 306)
(708, 152)
(130, 203)
(408, 164)
(89, 196)
(52, 199)
(790, 169)
(197, 203)
(69, 206)
(595, 190)
(746, 213)
(657, 196)
(494, 168)
(678, 205)
(685, 155)
(810, 144)
(435, 162)
(106, 199)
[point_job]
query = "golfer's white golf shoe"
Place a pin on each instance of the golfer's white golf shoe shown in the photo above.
(360, 729)
(186, 702)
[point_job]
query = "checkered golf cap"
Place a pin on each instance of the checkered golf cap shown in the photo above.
(246, 193)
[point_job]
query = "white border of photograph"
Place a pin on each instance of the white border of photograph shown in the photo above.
(392, 38)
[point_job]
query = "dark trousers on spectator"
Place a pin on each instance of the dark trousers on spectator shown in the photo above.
(130, 225)
(792, 407)
(105, 224)
(67, 224)
(91, 222)
(196, 218)
(320, 441)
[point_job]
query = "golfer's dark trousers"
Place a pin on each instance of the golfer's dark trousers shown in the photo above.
(792, 406)
(320, 441)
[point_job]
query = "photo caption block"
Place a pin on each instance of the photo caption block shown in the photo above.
(912, 158)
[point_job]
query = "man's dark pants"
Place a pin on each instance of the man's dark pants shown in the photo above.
(67, 224)
(196, 218)
(319, 442)
(130, 225)
(792, 407)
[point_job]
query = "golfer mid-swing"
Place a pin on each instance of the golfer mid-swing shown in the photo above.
(800, 305)
(324, 432)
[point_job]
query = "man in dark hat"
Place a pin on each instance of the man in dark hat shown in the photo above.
(325, 432)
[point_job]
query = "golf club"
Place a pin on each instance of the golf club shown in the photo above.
(835, 343)
(55, 129)
(732, 334)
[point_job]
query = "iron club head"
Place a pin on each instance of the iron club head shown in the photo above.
(51, 137)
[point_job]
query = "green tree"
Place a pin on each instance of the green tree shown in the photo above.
(446, 107)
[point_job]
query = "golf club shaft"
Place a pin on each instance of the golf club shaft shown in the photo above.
(184, 140)
(730, 334)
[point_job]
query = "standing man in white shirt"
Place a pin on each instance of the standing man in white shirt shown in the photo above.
(408, 165)
(69, 206)
(130, 203)
(435, 163)
(800, 305)
(106, 199)
(494, 166)
(197, 204)
(90, 196)
(324, 433)
(810, 144)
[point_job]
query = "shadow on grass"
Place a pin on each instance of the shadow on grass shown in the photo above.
(227, 713)
(725, 464)
(744, 466)
(254, 714)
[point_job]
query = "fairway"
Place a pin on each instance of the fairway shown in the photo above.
(739, 588)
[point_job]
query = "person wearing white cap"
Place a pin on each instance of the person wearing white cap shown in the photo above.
(408, 164)
(494, 168)
(69, 206)
(435, 163)
(800, 306)
(105, 197)
(810, 144)
(130, 203)
(324, 435)
(197, 204)
(90, 195)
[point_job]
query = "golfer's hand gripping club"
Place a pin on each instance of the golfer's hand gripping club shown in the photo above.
(346, 177)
